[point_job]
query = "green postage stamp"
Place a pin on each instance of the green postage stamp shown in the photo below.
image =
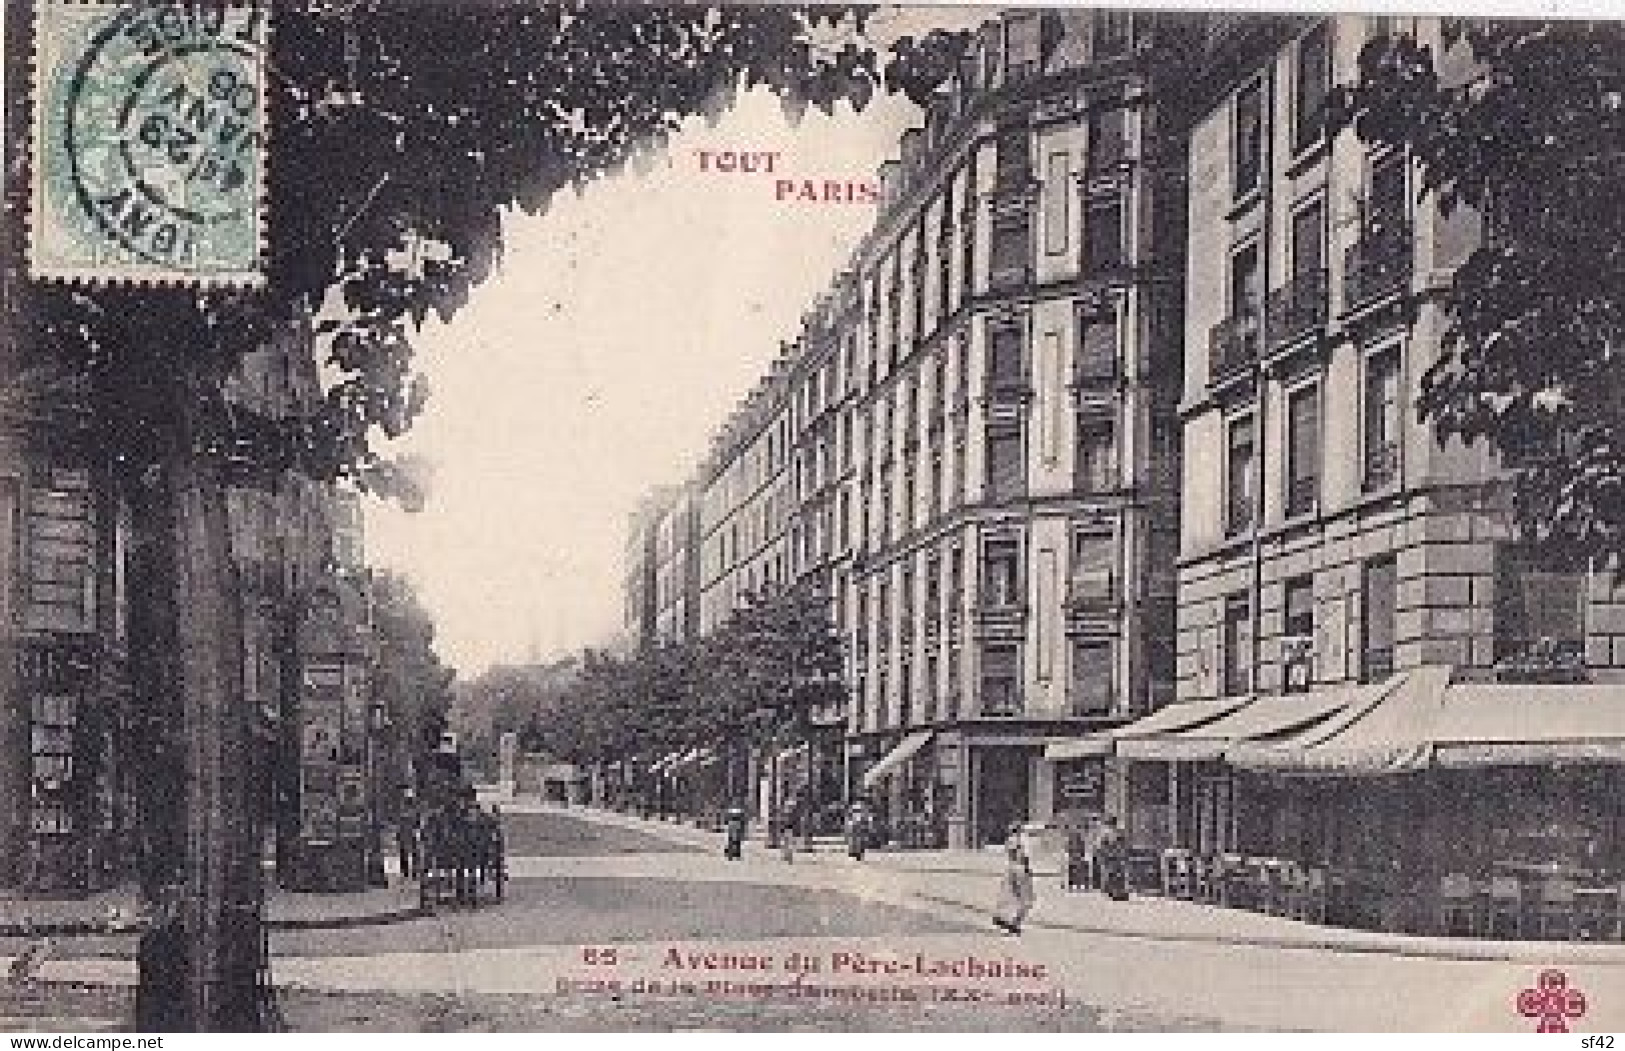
(148, 142)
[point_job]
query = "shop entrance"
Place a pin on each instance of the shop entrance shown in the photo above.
(1003, 790)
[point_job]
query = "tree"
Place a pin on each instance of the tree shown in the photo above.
(1523, 123)
(401, 132)
(408, 680)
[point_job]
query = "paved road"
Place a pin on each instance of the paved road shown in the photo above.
(721, 940)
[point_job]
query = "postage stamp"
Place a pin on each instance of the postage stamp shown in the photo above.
(148, 143)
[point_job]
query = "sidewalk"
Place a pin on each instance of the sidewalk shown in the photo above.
(968, 880)
(115, 911)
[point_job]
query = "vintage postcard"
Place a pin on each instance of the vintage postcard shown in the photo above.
(540, 517)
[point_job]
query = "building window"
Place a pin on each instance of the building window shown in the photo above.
(1247, 153)
(1382, 420)
(1093, 575)
(933, 591)
(956, 487)
(1006, 361)
(908, 495)
(1103, 233)
(1096, 469)
(1096, 364)
(52, 734)
(1312, 84)
(1387, 213)
(1240, 476)
(1006, 471)
(1001, 573)
(1539, 606)
(1106, 139)
(930, 688)
(1057, 201)
(1114, 31)
(1300, 305)
(1379, 262)
(1012, 156)
(1298, 634)
(1021, 47)
(1237, 643)
(1245, 282)
(1093, 685)
(1001, 679)
(1303, 451)
(1379, 598)
(1010, 253)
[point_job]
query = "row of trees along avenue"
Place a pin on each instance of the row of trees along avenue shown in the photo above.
(744, 693)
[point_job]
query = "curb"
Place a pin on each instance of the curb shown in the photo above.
(90, 928)
(1452, 954)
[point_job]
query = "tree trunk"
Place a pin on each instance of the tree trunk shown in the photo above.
(193, 649)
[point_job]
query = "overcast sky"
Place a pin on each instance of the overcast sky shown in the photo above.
(623, 328)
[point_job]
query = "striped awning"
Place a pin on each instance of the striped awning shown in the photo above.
(896, 757)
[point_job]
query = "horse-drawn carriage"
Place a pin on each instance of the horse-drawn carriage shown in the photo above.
(461, 856)
(460, 850)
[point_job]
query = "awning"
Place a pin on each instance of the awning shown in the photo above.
(1090, 746)
(1385, 729)
(896, 757)
(1497, 725)
(1173, 717)
(1263, 718)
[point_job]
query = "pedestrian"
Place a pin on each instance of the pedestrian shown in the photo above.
(857, 830)
(406, 835)
(733, 823)
(1077, 860)
(787, 833)
(496, 850)
(1112, 852)
(1017, 896)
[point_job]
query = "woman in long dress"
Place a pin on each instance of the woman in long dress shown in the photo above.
(1016, 899)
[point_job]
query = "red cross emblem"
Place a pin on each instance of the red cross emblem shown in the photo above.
(1552, 1001)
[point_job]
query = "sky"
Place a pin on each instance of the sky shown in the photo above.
(623, 328)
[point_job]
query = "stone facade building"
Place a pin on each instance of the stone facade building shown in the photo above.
(972, 445)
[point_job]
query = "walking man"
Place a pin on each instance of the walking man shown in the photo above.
(733, 823)
(406, 836)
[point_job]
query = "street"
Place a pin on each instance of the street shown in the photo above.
(612, 923)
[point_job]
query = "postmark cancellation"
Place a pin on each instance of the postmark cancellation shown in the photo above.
(148, 142)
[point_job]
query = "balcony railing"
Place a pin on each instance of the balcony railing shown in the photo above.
(1095, 372)
(1233, 346)
(1381, 465)
(1091, 591)
(1297, 307)
(1378, 264)
(1001, 699)
(1008, 388)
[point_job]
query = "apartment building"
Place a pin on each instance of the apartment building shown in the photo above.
(1346, 582)
(1017, 453)
(972, 446)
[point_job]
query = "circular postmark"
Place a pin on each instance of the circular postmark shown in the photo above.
(163, 132)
